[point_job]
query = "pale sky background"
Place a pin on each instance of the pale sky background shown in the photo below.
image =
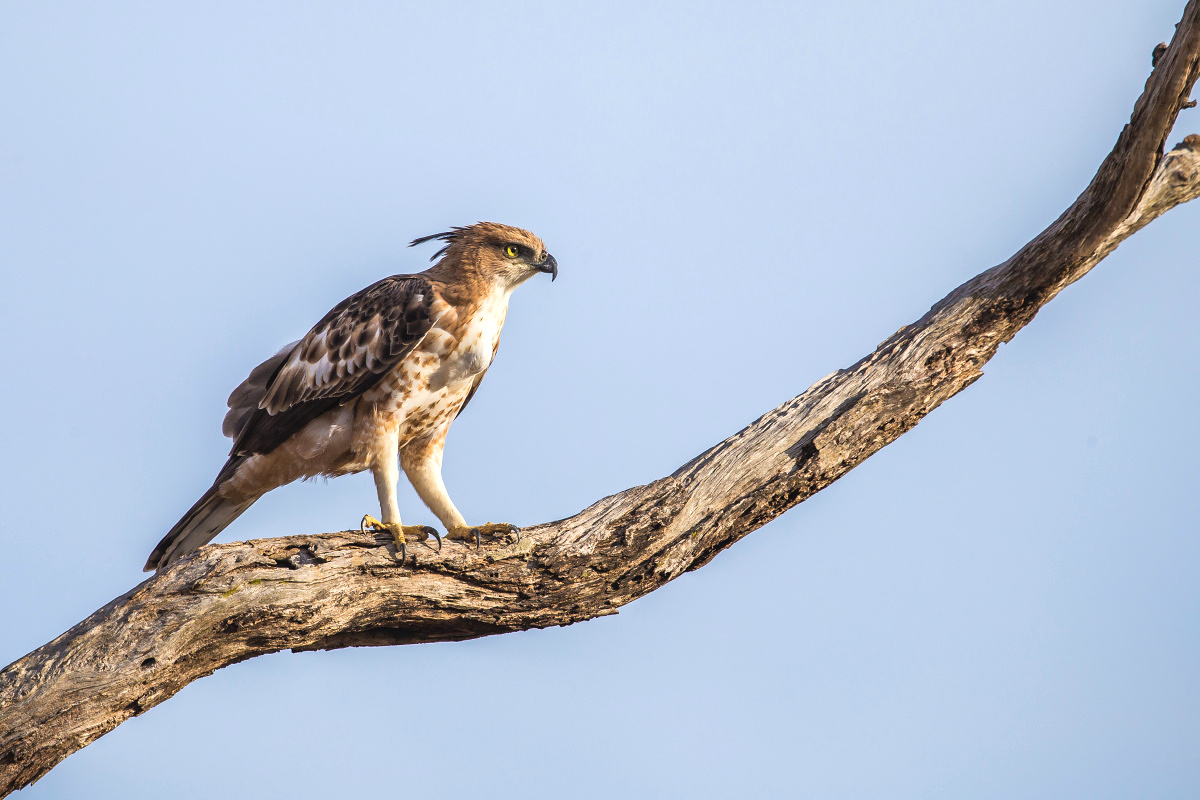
(742, 198)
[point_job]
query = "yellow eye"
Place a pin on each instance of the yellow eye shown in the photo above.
(511, 251)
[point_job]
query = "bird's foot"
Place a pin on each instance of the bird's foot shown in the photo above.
(400, 533)
(466, 533)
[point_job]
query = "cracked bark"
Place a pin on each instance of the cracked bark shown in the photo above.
(231, 602)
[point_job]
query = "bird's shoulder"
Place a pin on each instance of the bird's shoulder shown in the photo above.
(346, 353)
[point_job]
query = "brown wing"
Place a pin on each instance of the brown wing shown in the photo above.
(345, 354)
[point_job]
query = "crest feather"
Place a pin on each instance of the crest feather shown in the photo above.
(445, 236)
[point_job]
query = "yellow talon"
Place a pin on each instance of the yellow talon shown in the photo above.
(400, 533)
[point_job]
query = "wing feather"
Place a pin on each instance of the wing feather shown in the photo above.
(346, 353)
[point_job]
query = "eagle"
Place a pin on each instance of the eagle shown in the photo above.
(373, 386)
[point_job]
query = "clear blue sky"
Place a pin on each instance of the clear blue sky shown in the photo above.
(742, 198)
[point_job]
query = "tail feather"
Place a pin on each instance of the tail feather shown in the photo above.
(209, 516)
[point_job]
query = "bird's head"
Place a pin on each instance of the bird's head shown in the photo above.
(501, 253)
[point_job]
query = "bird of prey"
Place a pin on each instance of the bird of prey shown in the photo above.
(373, 386)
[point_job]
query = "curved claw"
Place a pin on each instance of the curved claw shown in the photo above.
(370, 525)
(425, 531)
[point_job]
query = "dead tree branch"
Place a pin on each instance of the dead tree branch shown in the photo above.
(231, 602)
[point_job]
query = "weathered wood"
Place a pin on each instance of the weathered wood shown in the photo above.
(231, 602)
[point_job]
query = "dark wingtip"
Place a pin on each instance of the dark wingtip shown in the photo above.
(154, 562)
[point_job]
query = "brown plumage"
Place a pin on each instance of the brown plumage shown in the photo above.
(376, 382)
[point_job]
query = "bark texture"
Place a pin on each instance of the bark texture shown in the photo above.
(231, 602)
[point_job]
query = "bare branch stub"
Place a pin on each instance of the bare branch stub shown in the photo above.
(1159, 50)
(231, 602)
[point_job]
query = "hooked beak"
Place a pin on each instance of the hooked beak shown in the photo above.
(548, 264)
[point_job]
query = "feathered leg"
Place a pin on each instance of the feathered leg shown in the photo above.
(386, 473)
(422, 462)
